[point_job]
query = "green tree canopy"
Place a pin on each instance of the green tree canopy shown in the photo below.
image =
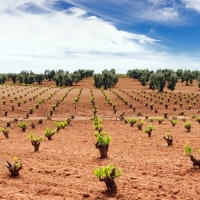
(2, 79)
(142, 75)
(49, 74)
(187, 76)
(13, 77)
(159, 79)
(64, 78)
(198, 79)
(39, 78)
(107, 79)
(172, 82)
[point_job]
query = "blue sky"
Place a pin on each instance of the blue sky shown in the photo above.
(91, 34)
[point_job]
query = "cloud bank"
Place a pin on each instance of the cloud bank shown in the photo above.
(34, 35)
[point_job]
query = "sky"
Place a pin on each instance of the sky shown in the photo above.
(99, 34)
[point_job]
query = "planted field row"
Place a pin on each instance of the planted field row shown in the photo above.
(157, 104)
(84, 120)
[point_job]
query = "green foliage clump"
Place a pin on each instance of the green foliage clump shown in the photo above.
(174, 122)
(103, 138)
(17, 163)
(49, 133)
(132, 121)
(149, 129)
(125, 101)
(76, 99)
(187, 149)
(140, 124)
(188, 125)
(60, 125)
(35, 141)
(22, 125)
(97, 123)
(160, 120)
(106, 172)
(33, 138)
(5, 131)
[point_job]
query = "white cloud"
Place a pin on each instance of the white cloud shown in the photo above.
(70, 40)
(192, 4)
(161, 15)
(160, 11)
(77, 11)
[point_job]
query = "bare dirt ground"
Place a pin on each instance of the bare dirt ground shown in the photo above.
(64, 167)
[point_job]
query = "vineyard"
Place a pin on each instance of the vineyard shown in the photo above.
(145, 131)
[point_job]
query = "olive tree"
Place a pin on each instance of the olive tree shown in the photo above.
(76, 77)
(39, 78)
(142, 75)
(157, 81)
(167, 73)
(26, 79)
(13, 77)
(49, 74)
(187, 76)
(107, 79)
(135, 73)
(67, 79)
(196, 73)
(89, 73)
(20, 78)
(172, 81)
(179, 72)
(198, 79)
(143, 79)
(64, 78)
(31, 79)
(2, 79)
(59, 78)
(82, 73)
(98, 80)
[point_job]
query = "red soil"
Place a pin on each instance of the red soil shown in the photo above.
(64, 167)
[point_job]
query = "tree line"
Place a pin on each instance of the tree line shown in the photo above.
(164, 77)
(108, 78)
(60, 77)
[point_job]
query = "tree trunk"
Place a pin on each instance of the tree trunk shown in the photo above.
(195, 161)
(36, 145)
(5, 133)
(149, 133)
(110, 184)
(169, 141)
(14, 171)
(103, 150)
(49, 137)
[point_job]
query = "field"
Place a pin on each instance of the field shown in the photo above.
(63, 168)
